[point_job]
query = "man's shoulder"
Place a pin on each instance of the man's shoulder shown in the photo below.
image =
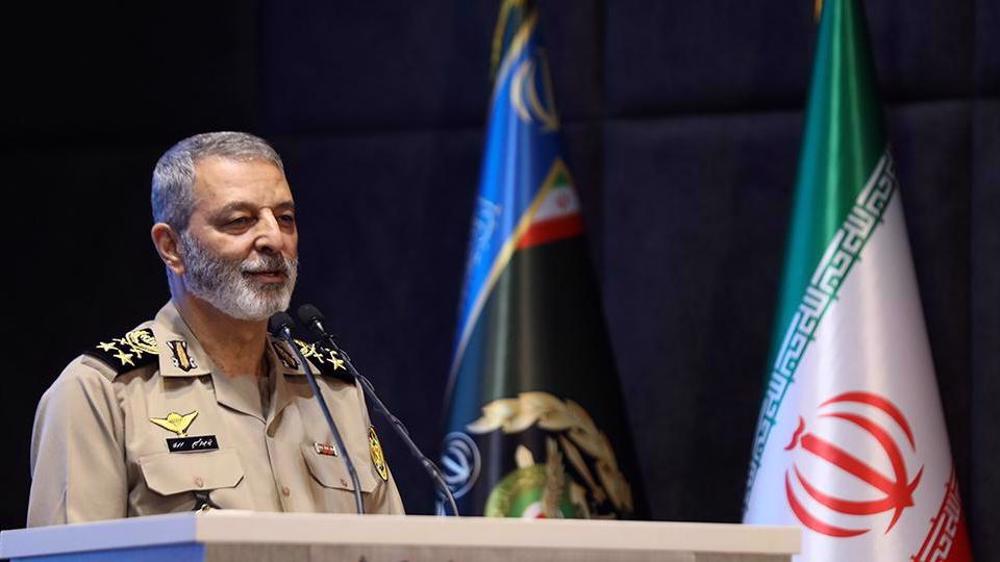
(117, 355)
(322, 360)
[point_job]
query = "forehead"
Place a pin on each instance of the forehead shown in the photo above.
(219, 181)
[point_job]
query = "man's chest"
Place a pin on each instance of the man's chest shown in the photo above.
(185, 442)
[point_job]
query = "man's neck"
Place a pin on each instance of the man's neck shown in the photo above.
(235, 346)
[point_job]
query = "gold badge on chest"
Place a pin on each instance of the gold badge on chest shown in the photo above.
(175, 422)
(183, 443)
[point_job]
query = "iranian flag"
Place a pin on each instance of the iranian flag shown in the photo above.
(851, 443)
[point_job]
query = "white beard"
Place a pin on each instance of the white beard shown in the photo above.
(225, 285)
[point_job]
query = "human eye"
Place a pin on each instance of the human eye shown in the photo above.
(238, 223)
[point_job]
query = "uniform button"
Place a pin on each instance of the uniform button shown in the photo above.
(198, 481)
(285, 491)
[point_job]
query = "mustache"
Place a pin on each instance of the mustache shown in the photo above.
(279, 264)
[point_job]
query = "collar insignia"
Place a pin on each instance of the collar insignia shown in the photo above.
(378, 458)
(176, 422)
(181, 358)
(285, 355)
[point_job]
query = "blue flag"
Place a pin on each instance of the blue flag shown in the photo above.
(534, 422)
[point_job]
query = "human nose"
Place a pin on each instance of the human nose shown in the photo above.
(269, 238)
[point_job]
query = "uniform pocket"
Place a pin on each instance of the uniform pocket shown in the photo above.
(331, 472)
(173, 473)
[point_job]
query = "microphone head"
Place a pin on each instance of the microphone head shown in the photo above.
(279, 323)
(309, 314)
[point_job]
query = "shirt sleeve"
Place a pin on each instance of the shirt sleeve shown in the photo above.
(78, 470)
(386, 499)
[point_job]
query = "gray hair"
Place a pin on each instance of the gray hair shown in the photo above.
(173, 177)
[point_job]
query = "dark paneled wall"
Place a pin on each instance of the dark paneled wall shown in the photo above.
(681, 125)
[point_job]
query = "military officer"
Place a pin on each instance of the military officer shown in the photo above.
(199, 408)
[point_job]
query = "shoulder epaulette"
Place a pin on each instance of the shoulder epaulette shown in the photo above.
(326, 360)
(131, 351)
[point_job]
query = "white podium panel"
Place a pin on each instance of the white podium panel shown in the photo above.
(240, 536)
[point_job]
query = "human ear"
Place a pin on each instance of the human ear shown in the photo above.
(167, 243)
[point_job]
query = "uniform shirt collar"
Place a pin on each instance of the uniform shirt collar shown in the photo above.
(181, 354)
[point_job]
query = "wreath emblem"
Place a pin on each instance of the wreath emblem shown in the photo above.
(574, 439)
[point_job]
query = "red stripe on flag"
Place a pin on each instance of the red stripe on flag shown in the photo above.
(948, 539)
(551, 230)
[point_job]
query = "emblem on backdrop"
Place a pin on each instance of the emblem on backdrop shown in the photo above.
(571, 472)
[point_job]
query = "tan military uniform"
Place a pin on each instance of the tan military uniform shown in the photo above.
(148, 426)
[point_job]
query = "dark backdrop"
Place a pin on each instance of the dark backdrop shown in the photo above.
(681, 122)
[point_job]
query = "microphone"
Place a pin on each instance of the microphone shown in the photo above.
(313, 318)
(281, 325)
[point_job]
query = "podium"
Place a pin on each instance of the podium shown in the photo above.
(243, 536)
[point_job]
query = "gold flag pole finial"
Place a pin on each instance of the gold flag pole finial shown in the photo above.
(817, 9)
(499, 32)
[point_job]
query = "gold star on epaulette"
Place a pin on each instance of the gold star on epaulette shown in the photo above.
(122, 343)
(125, 358)
(135, 349)
(338, 363)
(326, 359)
(328, 356)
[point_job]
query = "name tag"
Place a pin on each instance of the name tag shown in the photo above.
(192, 444)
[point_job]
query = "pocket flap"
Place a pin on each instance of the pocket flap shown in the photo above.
(172, 473)
(331, 472)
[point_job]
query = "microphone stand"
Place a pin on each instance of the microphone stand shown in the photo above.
(400, 429)
(286, 335)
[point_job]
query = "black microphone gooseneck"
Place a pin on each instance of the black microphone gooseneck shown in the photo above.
(312, 317)
(281, 325)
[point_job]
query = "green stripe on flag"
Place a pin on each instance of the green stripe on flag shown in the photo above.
(843, 154)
